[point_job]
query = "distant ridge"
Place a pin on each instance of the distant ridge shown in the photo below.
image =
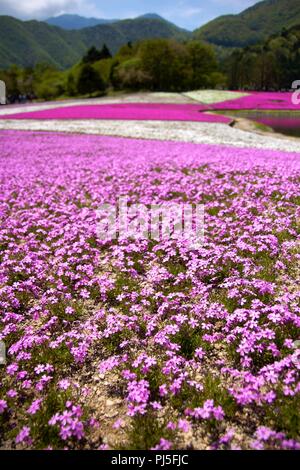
(27, 43)
(68, 21)
(253, 25)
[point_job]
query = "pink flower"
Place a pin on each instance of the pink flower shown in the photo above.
(12, 369)
(184, 425)
(118, 424)
(24, 436)
(34, 407)
(159, 299)
(263, 433)
(127, 111)
(12, 393)
(64, 384)
(3, 406)
(163, 391)
(199, 353)
(69, 310)
(171, 425)
(164, 444)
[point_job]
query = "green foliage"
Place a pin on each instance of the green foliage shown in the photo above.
(71, 85)
(283, 415)
(152, 64)
(103, 67)
(18, 80)
(27, 43)
(123, 281)
(273, 64)
(252, 25)
(57, 356)
(43, 433)
(51, 85)
(105, 53)
(31, 42)
(202, 63)
(189, 339)
(129, 75)
(213, 389)
(146, 432)
(89, 81)
(165, 65)
(93, 55)
(126, 52)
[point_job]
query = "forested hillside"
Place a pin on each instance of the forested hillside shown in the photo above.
(26, 43)
(252, 25)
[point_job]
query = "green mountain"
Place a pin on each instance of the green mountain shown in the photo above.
(68, 21)
(252, 25)
(27, 43)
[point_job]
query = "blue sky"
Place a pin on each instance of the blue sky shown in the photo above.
(186, 13)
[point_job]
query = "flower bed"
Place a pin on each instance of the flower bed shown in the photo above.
(151, 345)
(214, 96)
(260, 100)
(126, 111)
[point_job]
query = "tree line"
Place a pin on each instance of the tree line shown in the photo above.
(157, 65)
(164, 65)
(272, 65)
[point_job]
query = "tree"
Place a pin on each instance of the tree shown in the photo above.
(202, 64)
(129, 75)
(11, 79)
(127, 51)
(89, 81)
(104, 53)
(271, 65)
(71, 85)
(91, 56)
(164, 62)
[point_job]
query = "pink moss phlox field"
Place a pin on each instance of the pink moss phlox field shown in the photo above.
(126, 111)
(260, 100)
(284, 122)
(199, 343)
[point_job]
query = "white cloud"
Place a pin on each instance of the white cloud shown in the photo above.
(46, 8)
(187, 13)
(237, 4)
(182, 10)
(190, 12)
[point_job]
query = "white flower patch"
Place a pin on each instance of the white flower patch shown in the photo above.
(213, 96)
(197, 132)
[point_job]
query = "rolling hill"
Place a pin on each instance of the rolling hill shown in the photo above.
(68, 21)
(27, 43)
(252, 25)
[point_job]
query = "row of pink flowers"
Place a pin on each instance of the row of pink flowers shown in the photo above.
(260, 100)
(126, 111)
(164, 112)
